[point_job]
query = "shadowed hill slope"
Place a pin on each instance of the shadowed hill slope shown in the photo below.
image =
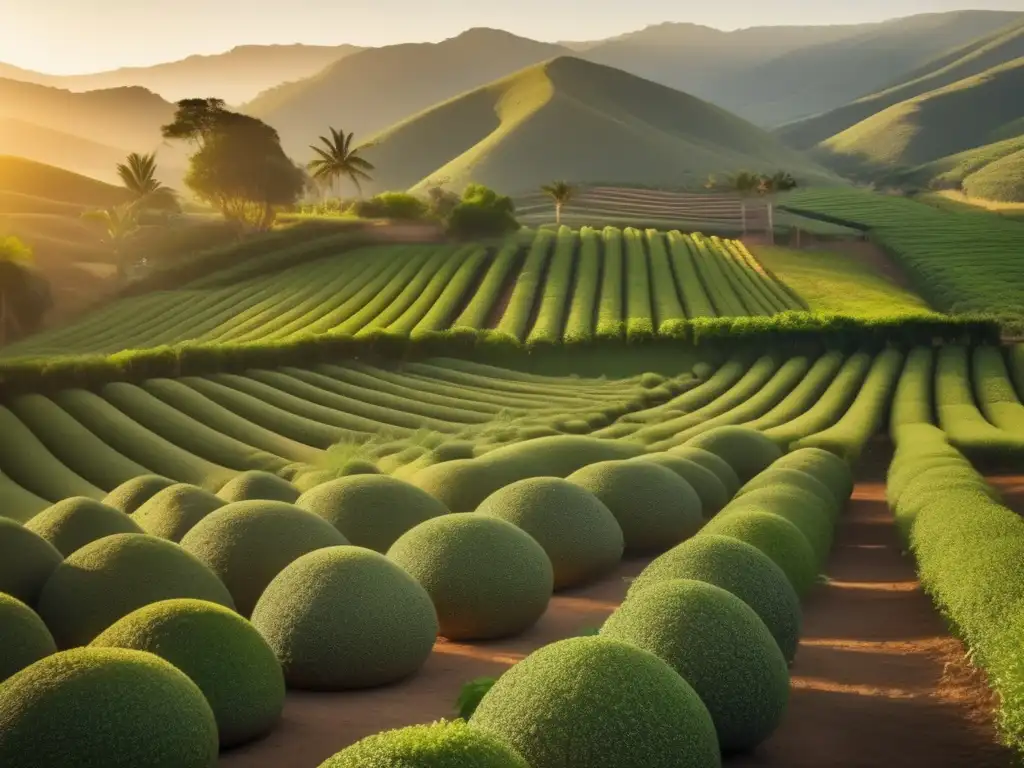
(974, 59)
(372, 89)
(28, 178)
(965, 115)
(572, 119)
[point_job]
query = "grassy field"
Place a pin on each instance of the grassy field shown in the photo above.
(958, 262)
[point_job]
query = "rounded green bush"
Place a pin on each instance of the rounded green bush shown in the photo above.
(802, 508)
(220, 652)
(654, 506)
(105, 708)
(71, 524)
(371, 511)
(711, 462)
(903, 473)
(712, 492)
(746, 450)
(784, 477)
(26, 561)
(247, 543)
(132, 494)
(577, 531)
(593, 702)
(355, 467)
(776, 537)
(258, 486)
(720, 646)
(346, 617)
(486, 577)
(25, 638)
(739, 568)
(825, 466)
(174, 511)
(703, 370)
(462, 484)
(438, 745)
(108, 579)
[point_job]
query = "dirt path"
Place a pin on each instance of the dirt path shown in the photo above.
(877, 681)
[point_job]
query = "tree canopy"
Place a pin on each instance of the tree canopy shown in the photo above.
(239, 167)
(24, 294)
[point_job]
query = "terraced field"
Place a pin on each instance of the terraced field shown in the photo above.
(720, 213)
(960, 262)
(207, 538)
(542, 287)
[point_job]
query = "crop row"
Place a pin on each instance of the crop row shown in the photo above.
(968, 548)
(959, 262)
(204, 430)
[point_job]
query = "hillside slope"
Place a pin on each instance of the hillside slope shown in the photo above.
(21, 176)
(973, 59)
(968, 114)
(572, 119)
(774, 75)
(370, 90)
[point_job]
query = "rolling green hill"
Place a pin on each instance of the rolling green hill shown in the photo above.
(576, 120)
(990, 51)
(965, 115)
(375, 88)
(993, 172)
(28, 178)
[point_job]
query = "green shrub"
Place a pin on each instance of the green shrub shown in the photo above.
(390, 205)
(712, 462)
(132, 494)
(739, 568)
(71, 524)
(720, 646)
(471, 694)
(105, 708)
(577, 531)
(438, 745)
(175, 510)
(747, 451)
(482, 213)
(785, 477)
(486, 578)
(256, 485)
(25, 637)
(592, 702)
(108, 579)
(825, 466)
(371, 511)
(219, 651)
(247, 543)
(26, 561)
(812, 516)
(655, 508)
(346, 617)
(712, 492)
(776, 537)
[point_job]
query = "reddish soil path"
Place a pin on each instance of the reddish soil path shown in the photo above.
(878, 681)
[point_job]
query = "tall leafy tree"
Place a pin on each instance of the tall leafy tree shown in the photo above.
(24, 294)
(242, 171)
(561, 192)
(338, 159)
(138, 174)
(196, 120)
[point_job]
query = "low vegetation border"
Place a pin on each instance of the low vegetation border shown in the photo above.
(793, 330)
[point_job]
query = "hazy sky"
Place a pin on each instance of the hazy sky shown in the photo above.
(66, 36)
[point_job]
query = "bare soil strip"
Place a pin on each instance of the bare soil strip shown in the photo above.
(878, 680)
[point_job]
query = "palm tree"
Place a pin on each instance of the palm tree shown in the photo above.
(119, 224)
(768, 187)
(24, 295)
(138, 173)
(561, 192)
(745, 184)
(338, 159)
